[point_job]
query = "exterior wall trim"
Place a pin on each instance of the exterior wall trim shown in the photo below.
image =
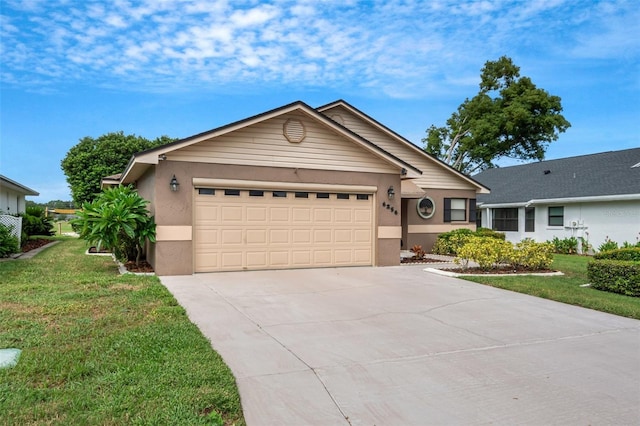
(257, 184)
(174, 233)
(433, 229)
(385, 232)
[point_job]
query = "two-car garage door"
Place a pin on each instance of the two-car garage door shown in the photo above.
(238, 229)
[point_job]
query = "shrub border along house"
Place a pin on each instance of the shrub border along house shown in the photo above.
(616, 271)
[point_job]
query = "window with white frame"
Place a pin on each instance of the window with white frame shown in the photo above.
(556, 216)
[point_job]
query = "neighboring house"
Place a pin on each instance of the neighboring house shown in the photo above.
(295, 187)
(590, 196)
(12, 196)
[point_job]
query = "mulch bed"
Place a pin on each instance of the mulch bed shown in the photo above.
(498, 271)
(34, 244)
(142, 267)
(410, 260)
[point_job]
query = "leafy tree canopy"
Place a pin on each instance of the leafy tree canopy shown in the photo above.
(509, 117)
(92, 159)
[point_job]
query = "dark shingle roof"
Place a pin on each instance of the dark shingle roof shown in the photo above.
(606, 173)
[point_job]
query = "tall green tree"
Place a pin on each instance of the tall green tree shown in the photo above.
(92, 159)
(509, 117)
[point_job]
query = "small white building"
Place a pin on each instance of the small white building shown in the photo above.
(593, 196)
(12, 196)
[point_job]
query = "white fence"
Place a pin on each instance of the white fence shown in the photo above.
(14, 224)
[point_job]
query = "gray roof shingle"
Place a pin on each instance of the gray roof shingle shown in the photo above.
(606, 173)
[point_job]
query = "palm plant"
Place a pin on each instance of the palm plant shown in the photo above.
(117, 220)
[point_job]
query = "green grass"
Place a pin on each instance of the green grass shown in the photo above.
(101, 348)
(567, 288)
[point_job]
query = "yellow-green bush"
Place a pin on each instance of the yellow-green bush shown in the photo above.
(529, 254)
(486, 252)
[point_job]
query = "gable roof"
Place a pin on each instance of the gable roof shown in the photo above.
(15, 186)
(415, 150)
(612, 175)
(142, 160)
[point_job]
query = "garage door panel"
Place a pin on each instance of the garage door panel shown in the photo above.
(362, 216)
(256, 214)
(301, 215)
(256, 236)
(301, 236)
(322, 236)
(257, 259)
(279, 236)
(232, 214)
(362, 236)
(250, 232)
(343, 215)
(343, 257)
(279, 214)
(279, 258)
(322, 257)
(231, 259)
(322, 215)
(231, 236)
(301, 258)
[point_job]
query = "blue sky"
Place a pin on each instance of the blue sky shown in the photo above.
(78, 68)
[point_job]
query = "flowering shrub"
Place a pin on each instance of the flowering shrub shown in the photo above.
(450, 242)
(529, 254)
(486, 252)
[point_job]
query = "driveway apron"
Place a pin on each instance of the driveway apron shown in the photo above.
(398, 345)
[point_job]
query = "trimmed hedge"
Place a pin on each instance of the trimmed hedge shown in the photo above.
(631, 254)
(616, 276)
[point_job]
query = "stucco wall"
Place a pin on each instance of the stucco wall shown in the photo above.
(175, 209)
(620, 221)
(424, 232)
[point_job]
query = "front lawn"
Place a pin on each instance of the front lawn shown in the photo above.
(101, 348)
(567, 288)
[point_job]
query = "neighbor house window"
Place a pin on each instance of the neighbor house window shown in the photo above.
(478, 218)
(556, 216)
(529, 219)
(455, 209)
(505, 219)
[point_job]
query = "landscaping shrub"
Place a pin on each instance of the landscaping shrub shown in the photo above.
(486, 252)
(35, 222)
(627, 244)
(630, 254)
(608, 245)
(486, 232)
(529, 254)
(8, 242)
(117, 220)
(566, 245)
(616, 276)
(450, 242)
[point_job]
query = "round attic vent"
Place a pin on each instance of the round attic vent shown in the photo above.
(294, 130)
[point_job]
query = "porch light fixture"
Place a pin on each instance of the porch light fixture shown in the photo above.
(390, 193)
(173, 184)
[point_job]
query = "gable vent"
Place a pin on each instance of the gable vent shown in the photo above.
(294, 130)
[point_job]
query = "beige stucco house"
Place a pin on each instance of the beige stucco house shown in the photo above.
(296, 187)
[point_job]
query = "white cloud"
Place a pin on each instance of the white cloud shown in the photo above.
(401, 47)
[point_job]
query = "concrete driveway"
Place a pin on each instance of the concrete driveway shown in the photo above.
(400, 346)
